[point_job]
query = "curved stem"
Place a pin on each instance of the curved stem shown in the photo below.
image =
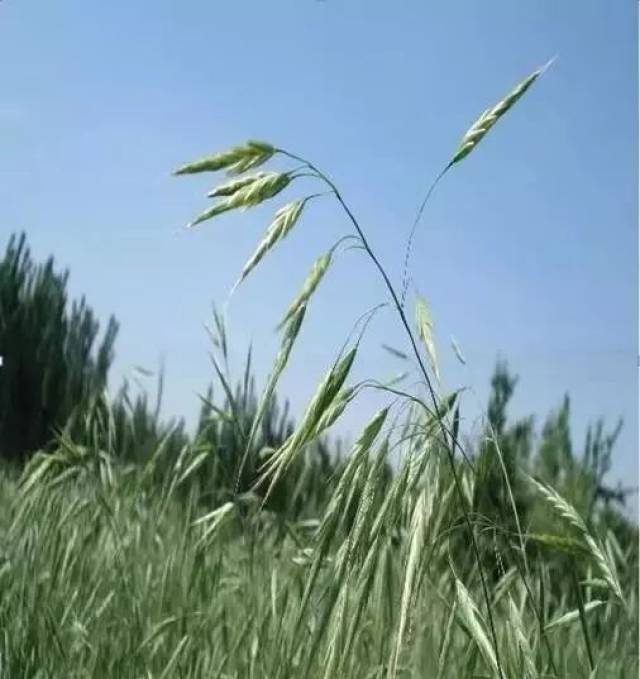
(407, 253)
(405, 323)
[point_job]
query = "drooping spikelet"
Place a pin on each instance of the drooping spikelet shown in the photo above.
(285, 219)
(253, 193)
(235, 160)
(230, 187)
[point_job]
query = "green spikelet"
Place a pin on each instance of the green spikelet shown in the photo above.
(425, 331)
(235, 160)
(491, 116)
(316, 274)
(322, 400)
(336, 409)
(285, 219)
(570, 514)
(572, 616)
(249, 195)
(290, 335)
(472, 620)
(229, 188)
(263, 188)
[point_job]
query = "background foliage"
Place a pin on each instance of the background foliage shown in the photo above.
(54, 362)
(130, 548)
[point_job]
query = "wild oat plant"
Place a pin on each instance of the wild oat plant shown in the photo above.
(108, 571)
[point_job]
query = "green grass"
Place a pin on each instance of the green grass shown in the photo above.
(248, 552)
(105, 575)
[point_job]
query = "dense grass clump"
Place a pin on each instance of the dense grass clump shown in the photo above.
(108, 572)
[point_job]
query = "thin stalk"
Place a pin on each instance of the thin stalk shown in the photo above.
(583, 617)
(432, 394)
(507, 481)
(539, 613)
(374, 384)
(407, 254)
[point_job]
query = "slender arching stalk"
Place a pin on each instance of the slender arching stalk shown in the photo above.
(423, 370)
(416, 221)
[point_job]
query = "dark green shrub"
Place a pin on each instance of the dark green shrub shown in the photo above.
(53, 361)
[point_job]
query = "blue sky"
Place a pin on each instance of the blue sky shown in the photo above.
(528, 249)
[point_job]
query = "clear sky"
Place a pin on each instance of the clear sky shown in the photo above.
(529, 248)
